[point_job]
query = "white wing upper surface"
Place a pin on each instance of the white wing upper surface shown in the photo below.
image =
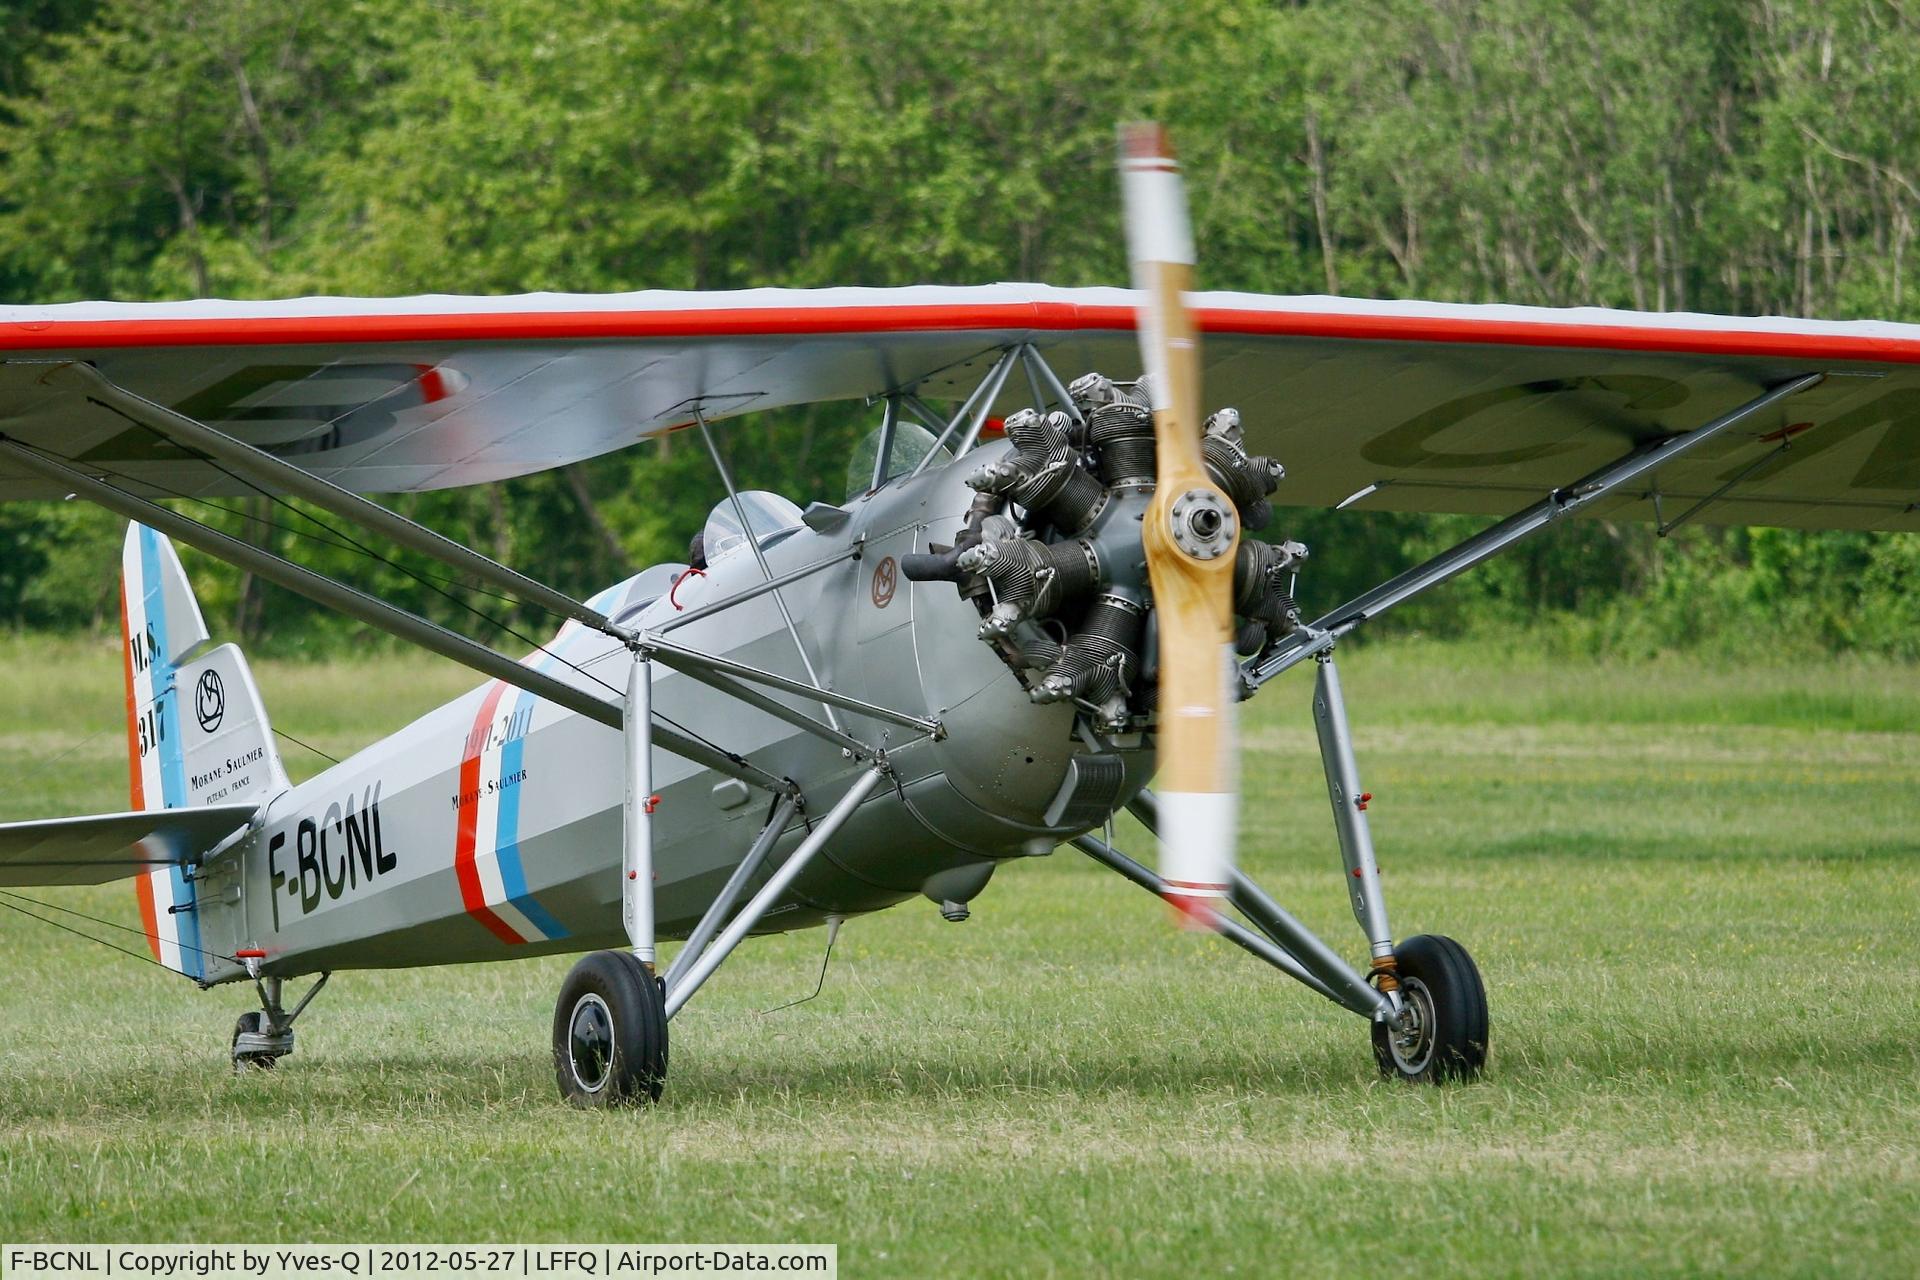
(1419, 406)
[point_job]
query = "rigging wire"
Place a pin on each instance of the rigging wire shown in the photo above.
(349, 542)
(78, 933)
(111, 924)
(111, 946)
(308, 746)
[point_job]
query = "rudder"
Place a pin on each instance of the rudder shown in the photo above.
(197, 732)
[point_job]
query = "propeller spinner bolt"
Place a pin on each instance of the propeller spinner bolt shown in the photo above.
(1204, 525)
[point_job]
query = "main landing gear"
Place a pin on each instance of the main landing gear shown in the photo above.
(610, 1032)
(1424, 997)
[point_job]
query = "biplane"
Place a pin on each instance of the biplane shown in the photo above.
(1039, 595)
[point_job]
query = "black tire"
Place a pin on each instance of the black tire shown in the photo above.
(1448, 1040)
(250, 1024)
(610, 1033)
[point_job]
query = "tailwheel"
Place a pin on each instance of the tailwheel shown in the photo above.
(1442, 1034)
(610, 1033)
(254, 1047)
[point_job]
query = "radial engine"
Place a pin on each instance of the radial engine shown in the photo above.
(1051, 554)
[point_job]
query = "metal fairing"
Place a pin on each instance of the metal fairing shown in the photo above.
(491, 827)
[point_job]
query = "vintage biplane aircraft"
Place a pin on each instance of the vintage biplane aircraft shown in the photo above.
(984, 652)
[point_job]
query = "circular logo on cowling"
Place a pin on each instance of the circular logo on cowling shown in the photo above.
(886, 577)
(209, 700)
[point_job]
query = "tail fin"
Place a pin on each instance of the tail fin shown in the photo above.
(197, 733)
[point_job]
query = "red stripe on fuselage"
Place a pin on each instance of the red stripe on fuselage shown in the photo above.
(472, 895)
(142, 883)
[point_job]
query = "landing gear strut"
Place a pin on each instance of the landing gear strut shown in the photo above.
(1424, 997)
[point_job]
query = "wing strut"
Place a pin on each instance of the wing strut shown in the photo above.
(378, 613)
(1319, 636)
(271, 472)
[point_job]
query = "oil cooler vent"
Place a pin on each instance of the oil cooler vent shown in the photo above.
(1091, 792)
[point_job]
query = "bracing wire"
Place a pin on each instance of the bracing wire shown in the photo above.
(306, 746)
(12, 901)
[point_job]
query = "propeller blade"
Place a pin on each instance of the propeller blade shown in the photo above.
(1192, 531)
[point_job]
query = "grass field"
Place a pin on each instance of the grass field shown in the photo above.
(1695, 897)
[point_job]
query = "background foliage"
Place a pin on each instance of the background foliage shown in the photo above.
(1741, 156)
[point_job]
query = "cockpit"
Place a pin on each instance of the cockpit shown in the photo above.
(906, 443)
(772, 518)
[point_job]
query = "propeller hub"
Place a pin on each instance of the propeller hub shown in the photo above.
(1204, 525)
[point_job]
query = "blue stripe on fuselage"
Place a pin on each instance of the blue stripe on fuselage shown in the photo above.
(513, 875)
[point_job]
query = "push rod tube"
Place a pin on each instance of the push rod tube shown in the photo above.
(1112, 859)
(272, 472)
(375, 613)
(1318, 636)
(722, 905)
(679, 993)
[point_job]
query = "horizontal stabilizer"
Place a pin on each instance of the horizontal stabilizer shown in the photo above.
(112, 846)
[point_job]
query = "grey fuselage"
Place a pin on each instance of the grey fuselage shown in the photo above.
(491, 827)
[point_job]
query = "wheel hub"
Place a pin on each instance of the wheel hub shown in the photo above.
(1410, 1040)
(590, 1042)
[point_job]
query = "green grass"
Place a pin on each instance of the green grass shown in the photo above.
(1695, 896)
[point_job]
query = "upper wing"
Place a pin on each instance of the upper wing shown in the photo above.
(112, 846)
(1390, 405)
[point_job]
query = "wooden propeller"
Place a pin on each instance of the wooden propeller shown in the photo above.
(1191, 534)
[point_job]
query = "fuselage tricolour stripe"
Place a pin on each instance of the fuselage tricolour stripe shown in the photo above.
(487, 862)
(473, 893)
(493, 883)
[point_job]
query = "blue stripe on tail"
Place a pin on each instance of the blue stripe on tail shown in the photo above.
(173, 767)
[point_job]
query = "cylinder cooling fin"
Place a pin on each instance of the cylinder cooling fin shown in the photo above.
(1051, 553)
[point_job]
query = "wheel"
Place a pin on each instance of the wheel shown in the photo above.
(610, 1033)
(251, 1024)
(1445, 1036)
